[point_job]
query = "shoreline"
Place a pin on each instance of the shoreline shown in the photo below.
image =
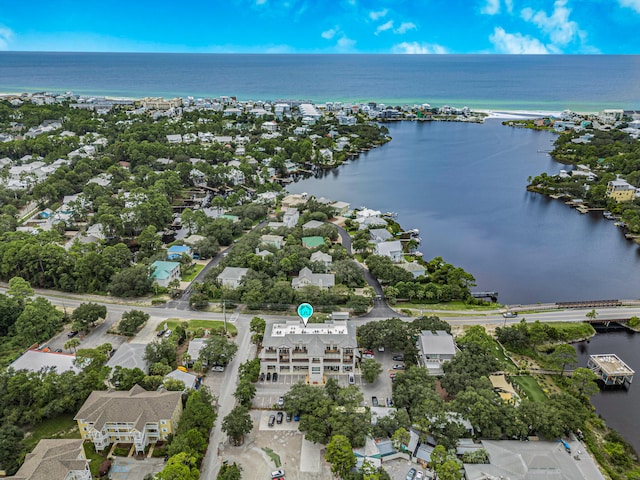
(513, 113)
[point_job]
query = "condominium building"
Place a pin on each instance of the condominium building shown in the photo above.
(315, 350)
(56, 459)
(135, 416)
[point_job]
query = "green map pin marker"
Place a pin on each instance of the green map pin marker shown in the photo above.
(304, 312)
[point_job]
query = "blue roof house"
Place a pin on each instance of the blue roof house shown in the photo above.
(176, 251)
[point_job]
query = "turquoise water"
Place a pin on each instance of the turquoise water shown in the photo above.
(528, 82)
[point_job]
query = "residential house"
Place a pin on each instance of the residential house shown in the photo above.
(36, 359)
(435, 349)
(414, 268)
(307, 277)
(129, 355)
(165, 272)
(189, 379)
(341, 208)
(55, 459)
(316, 350)
(322, 257)
(620, 190)
(294, 200)
(311, 224)
(312, 242)
(135, 416)
(275, 241)
(392, 249)
(371, 222)
(291, 217)
(193, 351)
(232, 276)
(175, 252)
(378, 235)
(516, 460)
(326, 155)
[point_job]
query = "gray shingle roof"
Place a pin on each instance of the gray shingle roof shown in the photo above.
(439, 342)
(52, 460)
(129, 355)
(136, 406)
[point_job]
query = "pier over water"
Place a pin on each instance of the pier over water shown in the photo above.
(610, 369)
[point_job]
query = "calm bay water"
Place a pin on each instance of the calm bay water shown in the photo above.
(464, 187)
(619, 407)
(545, 82)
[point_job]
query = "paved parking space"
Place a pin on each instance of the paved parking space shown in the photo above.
(264, 422)
(134, 469)
(398, 469)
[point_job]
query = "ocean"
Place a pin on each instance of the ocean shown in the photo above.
(494, 82)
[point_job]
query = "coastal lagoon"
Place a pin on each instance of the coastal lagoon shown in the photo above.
(618, 406)
(464, 187)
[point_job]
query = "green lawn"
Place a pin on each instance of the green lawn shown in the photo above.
(195, 269)
(196, 324)
(572, 330)
(530, 386)
(63, 426)
(449, 306)
(96, 458)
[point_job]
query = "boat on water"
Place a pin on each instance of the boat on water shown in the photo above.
(620, 224)
(608, 215)
(390, 214)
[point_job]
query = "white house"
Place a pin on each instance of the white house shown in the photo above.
(232, 276)
(322, 257)
(290, 218)
(435, 349)
(307, 277)
(393, 250)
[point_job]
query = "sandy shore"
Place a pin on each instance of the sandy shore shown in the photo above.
(519, 114)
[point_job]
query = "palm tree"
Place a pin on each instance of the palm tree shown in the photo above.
(73, 343)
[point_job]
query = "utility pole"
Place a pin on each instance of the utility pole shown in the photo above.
(224, 315)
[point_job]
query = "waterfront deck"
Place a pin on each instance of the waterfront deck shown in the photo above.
(610, 369)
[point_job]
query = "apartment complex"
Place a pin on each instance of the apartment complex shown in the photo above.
(135, 416)
(314, 350)
(57, 459)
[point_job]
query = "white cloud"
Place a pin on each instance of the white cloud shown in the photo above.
(376, 15)
(6, 36)
(633, 4)
(492, 7)
(560, 29)
(345, 43)
(516, 43)
(385, 26)
(418, 48)
(405, 27)
(329, 34)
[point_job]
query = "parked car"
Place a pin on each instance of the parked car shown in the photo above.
(161, 333)
(398, 358)
(398, 366)
(268, 376)
(389, 402)
(296, 417)
(509, 314)
(72, 333)
(411, 474)
(279, 417)
(352, 379)
(419, 475)
(262, 377)
(274, 377)
(280, 401)
(217, 368)
(167, 334)
(374, 401)
(288, 417)
(381, 348)
(277, 473)
(272, 420)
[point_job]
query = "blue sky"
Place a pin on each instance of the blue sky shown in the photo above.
(323, 26)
